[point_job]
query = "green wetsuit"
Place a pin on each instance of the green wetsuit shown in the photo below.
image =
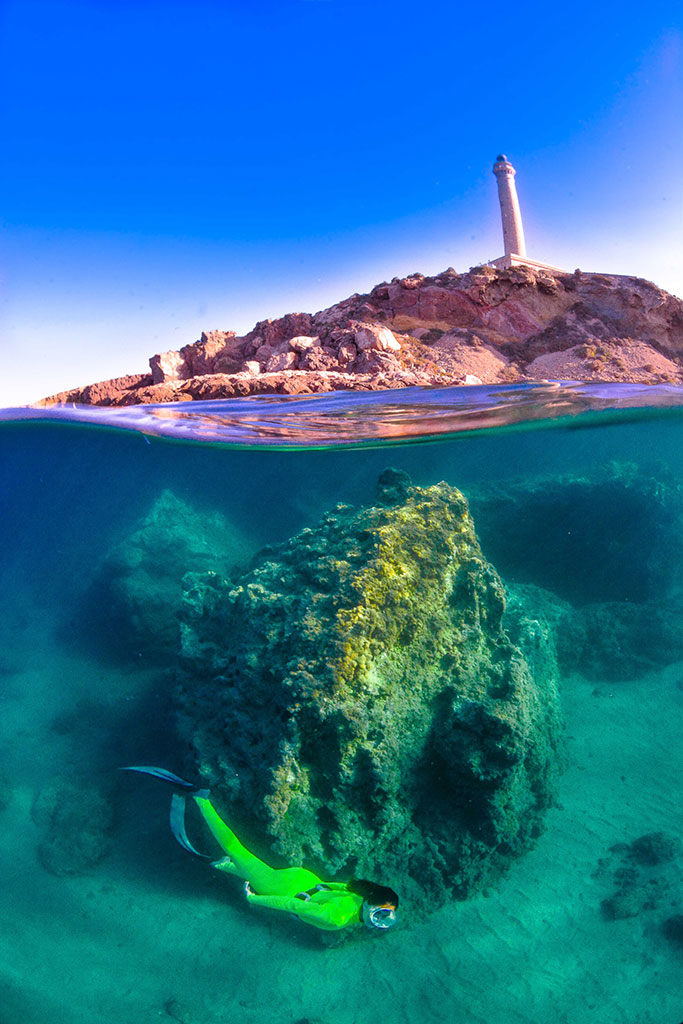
(330, 908)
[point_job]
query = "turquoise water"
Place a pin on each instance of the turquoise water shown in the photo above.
(576, 497)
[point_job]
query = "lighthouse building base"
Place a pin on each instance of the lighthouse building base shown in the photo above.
(511, 259)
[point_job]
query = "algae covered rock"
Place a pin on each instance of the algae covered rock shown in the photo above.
(138, 588)
(356, 693)
(643, 875)
(612, 535)
(597, 557)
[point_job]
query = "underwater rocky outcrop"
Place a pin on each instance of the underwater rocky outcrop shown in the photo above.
(611, 641)
(75, 819)
(356, 694)
(595, 557)
(641, 876)
(609, 535)
(137, 590)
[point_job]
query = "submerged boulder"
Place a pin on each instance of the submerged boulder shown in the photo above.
(356, 693)
(137, 591)
(607, 536)
(76, 821)
(597, 556)
(617, 641)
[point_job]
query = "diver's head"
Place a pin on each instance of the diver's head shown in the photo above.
(382, 917)
(380, 903)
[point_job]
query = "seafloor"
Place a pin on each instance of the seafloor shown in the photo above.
(586, 924)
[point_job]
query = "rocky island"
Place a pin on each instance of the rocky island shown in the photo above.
(487, 326)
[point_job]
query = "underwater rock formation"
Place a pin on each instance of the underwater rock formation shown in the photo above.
(612, 641)
(356, 694)
(138, 588)
(614, 535)
(619, 641)
(644, 875)
(673, 930)
(596, 557)
(76, 821)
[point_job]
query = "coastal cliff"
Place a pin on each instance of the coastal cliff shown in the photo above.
(487, 326)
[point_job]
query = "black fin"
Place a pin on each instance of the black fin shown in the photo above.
(177, 821)
(160, 773)
(178, 802)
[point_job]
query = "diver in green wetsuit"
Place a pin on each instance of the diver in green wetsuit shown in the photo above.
(326, 905)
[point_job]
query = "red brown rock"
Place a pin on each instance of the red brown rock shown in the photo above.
(303, 342)
(167, 366)
(289, 326)
(106, 392)
(489, 324)
(213, 346)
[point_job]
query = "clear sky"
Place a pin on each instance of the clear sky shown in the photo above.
(174, 167)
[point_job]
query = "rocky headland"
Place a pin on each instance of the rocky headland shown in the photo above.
(487, 326)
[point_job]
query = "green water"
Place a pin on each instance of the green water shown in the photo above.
(146, 933)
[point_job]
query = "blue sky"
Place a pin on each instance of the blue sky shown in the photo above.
(173, 167)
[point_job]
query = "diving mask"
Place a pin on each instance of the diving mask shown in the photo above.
(381, 917)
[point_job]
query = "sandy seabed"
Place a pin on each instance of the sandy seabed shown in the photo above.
(152, 935)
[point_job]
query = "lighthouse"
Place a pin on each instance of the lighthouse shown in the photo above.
(511, 216)
(513, 232)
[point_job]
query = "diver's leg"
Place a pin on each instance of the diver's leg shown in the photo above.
(224, 835)
(263, 879)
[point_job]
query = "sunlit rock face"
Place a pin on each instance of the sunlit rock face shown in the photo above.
(355, 693)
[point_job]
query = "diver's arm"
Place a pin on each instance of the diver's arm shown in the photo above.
(330, 915)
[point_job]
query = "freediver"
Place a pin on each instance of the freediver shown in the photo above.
(330, 906)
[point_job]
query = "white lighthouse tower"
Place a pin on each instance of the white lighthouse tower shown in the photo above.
(513, 232)
(511, 216)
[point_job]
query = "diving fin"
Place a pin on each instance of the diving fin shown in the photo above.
(177, 822)
(178, 802)
(160, 773)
